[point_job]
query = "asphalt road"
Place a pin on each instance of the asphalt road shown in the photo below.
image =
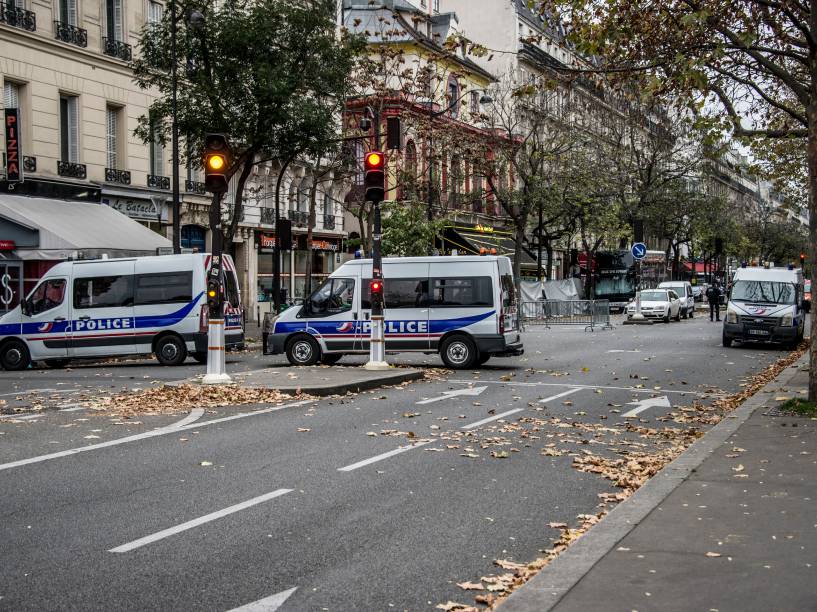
(379, 501)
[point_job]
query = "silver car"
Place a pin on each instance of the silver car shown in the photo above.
(661, 304)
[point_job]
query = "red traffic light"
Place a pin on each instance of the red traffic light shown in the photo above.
(374, 160)
(376, 286)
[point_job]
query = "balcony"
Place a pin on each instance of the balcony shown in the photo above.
(112, 175)
(71, 170)
(70, 34)
(117, 49)
(299, 218)
(330, 222)
(268, 216)
(194, 187)
(18, 17)
(158, 182)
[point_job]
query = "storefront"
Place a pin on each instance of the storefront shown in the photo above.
(326, 257)
(150, 210)
(485, 240)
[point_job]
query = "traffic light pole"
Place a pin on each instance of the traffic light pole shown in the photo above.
(377, 338)
(216, 358)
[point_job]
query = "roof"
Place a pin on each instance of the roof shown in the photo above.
(430, 259)
(780, 275)
(65, 226)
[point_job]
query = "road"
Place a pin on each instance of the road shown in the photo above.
(379, 501)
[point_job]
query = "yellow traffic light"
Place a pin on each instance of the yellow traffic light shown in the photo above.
(211, 293)
(216, 162)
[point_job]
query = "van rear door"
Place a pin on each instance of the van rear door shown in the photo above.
(102, 317)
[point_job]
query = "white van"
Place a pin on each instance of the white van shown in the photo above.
(462, 307)
(765, 305)
(685, 296)
(112, 307)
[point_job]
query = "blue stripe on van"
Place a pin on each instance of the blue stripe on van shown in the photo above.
(323, 327)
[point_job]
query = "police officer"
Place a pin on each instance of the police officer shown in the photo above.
(713, 296)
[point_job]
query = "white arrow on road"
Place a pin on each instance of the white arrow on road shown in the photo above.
(642, 405)
(268, 604)
(471, 391)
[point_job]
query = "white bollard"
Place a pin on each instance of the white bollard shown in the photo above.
(377, 347)
(216, 358)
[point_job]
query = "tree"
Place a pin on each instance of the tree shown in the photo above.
(271, 74)
(406, 231)
(754, 59)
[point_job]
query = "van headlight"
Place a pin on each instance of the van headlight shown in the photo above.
(786, 320)
(731, 316)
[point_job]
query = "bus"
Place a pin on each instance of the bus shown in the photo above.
(616, 275)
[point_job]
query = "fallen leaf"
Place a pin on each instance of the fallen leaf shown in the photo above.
(471, 586)
(713, 554)
(206, 463)
(304, 429)
(738, 468)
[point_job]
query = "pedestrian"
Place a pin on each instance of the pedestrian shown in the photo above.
(713, 296)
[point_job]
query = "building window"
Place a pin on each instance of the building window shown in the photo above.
(436, 6)
(113, 14)
(112, 136)
(475, 102)
(68, 12)
(157, 151)
(69, 129)
(453, 96)
(11, 95)
(193, 237)
(155, 11)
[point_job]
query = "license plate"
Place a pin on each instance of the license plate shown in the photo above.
(758, 332)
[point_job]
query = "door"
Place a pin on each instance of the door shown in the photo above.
(407, 302)
(330, 314)
(11, 286)
(103, 317)
(46, 321)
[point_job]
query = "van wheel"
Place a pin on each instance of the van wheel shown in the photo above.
(57, 364)
(727, 342)
(459, 352)
(200, 356)
(678, 316)
(483, 359)
(171, 351)
(690, 312)
(15, 356)
(331, 359)
(303, 351)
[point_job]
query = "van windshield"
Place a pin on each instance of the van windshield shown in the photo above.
(769, 292)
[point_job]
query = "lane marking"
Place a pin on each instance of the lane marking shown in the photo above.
(25, 417)
(642, 405)
(472, 392)
(623, 351)
(72, 408)
(542, 384)
(377, 458)
(160, 535)
(268, 604)
(170, 429)
(491, 418)
(194, 415)
(558, 395)
(30, 391)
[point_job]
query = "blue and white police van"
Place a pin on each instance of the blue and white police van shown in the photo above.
(465, 308)
(115, 307)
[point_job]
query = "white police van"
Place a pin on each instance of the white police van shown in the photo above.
(462, 307)
(112, 307)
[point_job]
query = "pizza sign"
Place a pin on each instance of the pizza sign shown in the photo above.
(13, 170)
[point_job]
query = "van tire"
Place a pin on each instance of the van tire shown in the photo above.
(459, 352)
(331, 359)
(200, 356)
(483, 358)
(727, 342)
(57, 364)
(14, 356)
(303, 351)
(170, 350)
(691, 312)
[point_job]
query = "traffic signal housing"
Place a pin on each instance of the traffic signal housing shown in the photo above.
(216, 162)
(376, 290)
(802, 260)
(212, 294)
(374, 180)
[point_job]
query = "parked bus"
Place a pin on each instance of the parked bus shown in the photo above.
(465, 308)
(616, 275)
(115, 307)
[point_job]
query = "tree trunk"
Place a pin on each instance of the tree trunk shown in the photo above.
(549, 251)
(517, 255)
(812, 235)
(238, 203)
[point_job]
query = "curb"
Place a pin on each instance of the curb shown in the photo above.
(354, 386)
(553, 582)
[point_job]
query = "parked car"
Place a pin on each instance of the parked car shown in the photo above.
(699, 291)
(685, 295)
(661, 304)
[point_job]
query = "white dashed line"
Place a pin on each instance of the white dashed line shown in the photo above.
(377, 458)
(492, 418)
(268, 604)
(558, 395)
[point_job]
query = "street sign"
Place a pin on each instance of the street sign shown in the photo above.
(639, 250)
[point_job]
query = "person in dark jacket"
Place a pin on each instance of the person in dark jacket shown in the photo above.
(713, 296)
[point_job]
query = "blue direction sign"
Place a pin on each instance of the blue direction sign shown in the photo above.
(639, 250)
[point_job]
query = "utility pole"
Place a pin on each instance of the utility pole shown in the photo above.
(174, 136)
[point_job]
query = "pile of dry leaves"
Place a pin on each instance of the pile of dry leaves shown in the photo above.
(173, 399)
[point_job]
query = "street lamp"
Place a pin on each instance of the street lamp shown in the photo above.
(483, 100)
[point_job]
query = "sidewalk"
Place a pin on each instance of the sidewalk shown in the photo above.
(731, 525)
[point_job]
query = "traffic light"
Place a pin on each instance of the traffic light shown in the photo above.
(376, 290)
(802, 260)
(375, 176)
(216, 162)
(212, 294)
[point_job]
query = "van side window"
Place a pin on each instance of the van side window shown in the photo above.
(404, 292)
(164, 288)
(458, 292)
(103, 292)
(48, 294)
(334, 296)
(231, 288)
(508, 291)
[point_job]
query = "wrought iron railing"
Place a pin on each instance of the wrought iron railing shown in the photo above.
(70, 34)
(18, 17)
(329, 222)
(71, 169)
(112, 175)
(158, 182)
(268, 216)
(298, 217)
(116, 48)
(194, 187)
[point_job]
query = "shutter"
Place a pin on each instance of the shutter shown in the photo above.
(71, 6)
(73, 130)
(112, 131)
(157, 162)
(117, 20)
(11, 95)
(19, 4)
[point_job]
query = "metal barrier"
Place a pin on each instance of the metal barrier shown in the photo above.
(590, 313)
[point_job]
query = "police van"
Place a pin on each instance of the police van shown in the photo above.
(462, 307)
(113, 307)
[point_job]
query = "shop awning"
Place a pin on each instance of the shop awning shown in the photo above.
(470, 240)
(69, 229)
